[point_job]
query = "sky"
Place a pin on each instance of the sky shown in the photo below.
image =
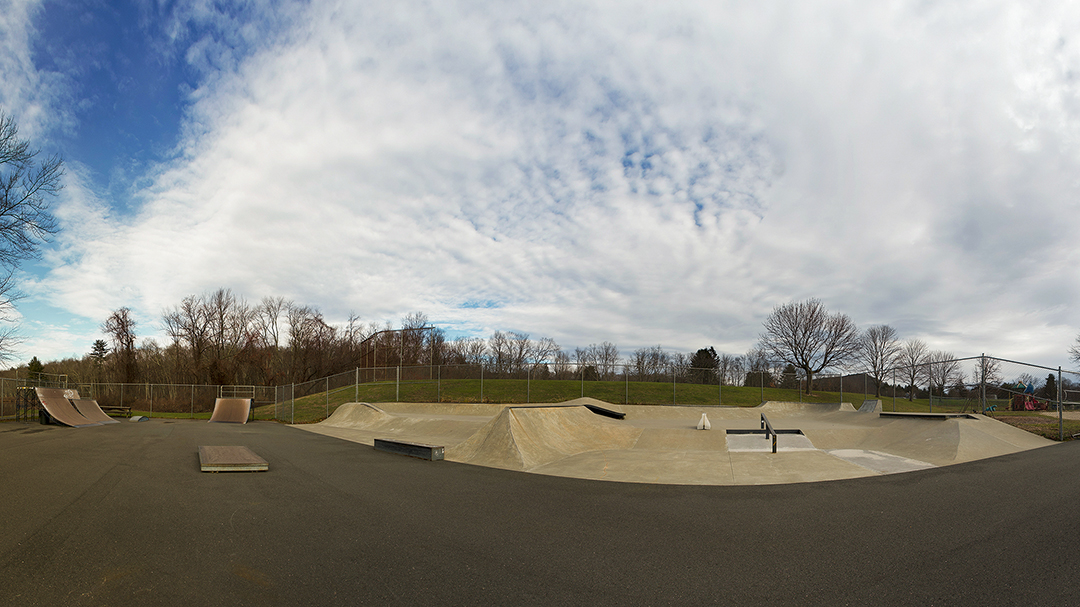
(633, 172)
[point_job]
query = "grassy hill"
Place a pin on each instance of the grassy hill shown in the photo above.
(316, 407)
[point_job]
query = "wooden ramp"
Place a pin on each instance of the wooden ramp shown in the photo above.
(92, 411)
(56, 404)
(230, 459)
(231, 410)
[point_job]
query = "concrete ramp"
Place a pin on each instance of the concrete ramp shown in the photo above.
(92, 411)
(870, 406)
(231, 410)
(529, 437)
(56, 403)
(363, 423)
(787, 409)
(358, 415)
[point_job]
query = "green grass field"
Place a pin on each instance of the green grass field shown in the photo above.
(316, 407)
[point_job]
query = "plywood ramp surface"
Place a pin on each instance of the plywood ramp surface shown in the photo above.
(231, 410)
(60, 408)
(92, 411)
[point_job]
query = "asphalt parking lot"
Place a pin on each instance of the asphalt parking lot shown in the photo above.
(121, 515)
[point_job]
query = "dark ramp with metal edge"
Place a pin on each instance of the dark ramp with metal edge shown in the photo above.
(92, 411)
(56, 403)
(231, 410)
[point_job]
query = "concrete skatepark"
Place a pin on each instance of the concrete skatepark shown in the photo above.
(661, 444)
(121, 514)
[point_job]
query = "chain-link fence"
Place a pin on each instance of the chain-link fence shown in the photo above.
(974, 384)
(153, 400)
(317, 399)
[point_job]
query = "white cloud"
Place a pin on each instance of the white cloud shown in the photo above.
(634, 173)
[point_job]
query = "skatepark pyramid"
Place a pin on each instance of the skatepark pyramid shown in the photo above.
(523, 438)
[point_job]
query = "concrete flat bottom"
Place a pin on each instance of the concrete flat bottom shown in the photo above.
(660, 444)
(230, 459)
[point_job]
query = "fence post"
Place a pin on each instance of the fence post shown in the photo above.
(762, 385)
(121, 395)
(438, 384)
(930, 381)
(481, 383)
(356, 393)
(397, 383)
(673, 401)
(292, 404)
(1061, 416)
(528, 386)
(150, 388)
(582, 369)
(626, 391)
(192, 401)
(327, 393)
(982, 381)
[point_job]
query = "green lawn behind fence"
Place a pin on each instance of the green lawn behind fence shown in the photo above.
(316, 407)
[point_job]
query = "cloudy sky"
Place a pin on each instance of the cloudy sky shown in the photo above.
(641, 173)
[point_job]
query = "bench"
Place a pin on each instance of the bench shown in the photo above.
(116, 411)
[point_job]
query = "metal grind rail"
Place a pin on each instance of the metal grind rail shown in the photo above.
(767, 427)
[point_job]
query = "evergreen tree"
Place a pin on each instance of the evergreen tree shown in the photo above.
(35, 368)
(1050, 389)
(703, 366)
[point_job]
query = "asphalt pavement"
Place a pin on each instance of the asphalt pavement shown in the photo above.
(121, 515)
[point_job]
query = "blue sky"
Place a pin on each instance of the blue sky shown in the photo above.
(587, 171)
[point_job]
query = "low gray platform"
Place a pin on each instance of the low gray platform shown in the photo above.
(230, 459)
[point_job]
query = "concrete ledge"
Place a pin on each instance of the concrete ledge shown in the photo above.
(419, 450)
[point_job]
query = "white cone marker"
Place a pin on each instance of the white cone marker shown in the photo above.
(704, 424)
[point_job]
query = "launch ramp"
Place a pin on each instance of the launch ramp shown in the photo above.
(56, 404)
(231, 410)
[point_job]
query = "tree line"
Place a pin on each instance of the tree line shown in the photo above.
(218, 338)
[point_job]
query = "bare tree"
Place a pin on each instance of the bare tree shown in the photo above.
(25, 188)
(468, 351)
(521, 351)
(731, 369)
(606, 358)
(561, 366)
(806, 335)
(943, 370)
(758, 372)
(649, 362)
(26, 222)
(1074, 352)
(544, 351)
(500, 352)
(268, 317)
(9, 334)
(987, 371)
(878, 349)
(413, 337)
(910, 362)
(120, 327)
